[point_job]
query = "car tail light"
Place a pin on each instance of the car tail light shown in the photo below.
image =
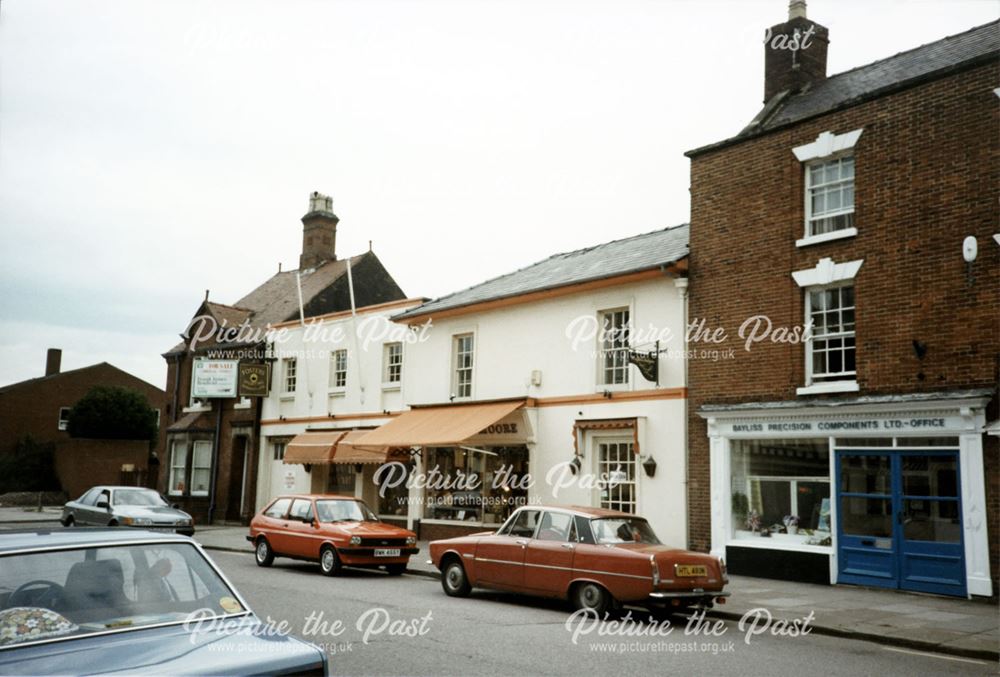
(656, 571)
(724, 570)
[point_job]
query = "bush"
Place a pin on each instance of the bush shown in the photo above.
(113, 413)
(30, 468)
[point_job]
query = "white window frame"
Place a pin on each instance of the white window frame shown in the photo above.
(63, 422)
(289, 370)
(338, 370)
(826, 148)
(603, 349)
(177, 449)
(811, 377)
(392, 364)
(826, 274)
(195, 467)
(457, 368)
(812, 237)
(602, 467)
(278, 449)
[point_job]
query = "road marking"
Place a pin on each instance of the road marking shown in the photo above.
(935, 655)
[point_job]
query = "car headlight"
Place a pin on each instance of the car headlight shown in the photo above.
(411, 540)
(656, 571)
(355, 540)
(137, 521)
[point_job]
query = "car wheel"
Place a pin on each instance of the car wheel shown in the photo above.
(263, 553)
(113, 523)
(454, 581)
(69, 522)
(592, 597)
(395, 569)
(329, 563)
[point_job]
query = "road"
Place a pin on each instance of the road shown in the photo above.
(378, 625)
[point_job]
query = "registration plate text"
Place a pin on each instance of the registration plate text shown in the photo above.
(387, 552)
(690, 570)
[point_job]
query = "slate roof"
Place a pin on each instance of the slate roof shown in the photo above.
(936, 59)
(632, 254)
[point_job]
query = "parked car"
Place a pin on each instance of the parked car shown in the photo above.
(333, 530)
(86, 601)
(109, 506)
(595, 558)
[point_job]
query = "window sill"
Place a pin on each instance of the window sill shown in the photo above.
(826, 237)
(831, 387)
(244, 403)
(286, 397)
(390, 386)
(195, 410)
(337, 392)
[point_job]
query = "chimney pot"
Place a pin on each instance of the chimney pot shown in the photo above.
(797, 9)
(53, 361)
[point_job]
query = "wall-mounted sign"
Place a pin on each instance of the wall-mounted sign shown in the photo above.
(214, 378)
(253, 380)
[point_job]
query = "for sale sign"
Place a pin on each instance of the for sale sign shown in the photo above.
(214, 378)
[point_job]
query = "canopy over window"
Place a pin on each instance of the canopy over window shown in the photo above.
(333, 446)
(438, 426)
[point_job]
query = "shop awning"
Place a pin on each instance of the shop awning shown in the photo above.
(335, 446)
(438, 426)
(606, 424)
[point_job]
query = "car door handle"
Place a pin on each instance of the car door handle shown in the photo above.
(521, 543)
(568, 546)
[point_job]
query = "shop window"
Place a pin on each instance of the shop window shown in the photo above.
(178, 468)
(491, 498)
(829, 196)
(781, 488)
(393, 501)
(392, 361)
(201, 468)
(614, 341)
(464, 348)
(338, 369)
(616, 465)
(64, 418)
(341, 479)
(830, 352)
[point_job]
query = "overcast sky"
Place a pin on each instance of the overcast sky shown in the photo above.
(152, 150)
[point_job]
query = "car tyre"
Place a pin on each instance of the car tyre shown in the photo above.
(454, 581)
(69, 522)
(592, 597)
(329, 562)
(395, 569)
(263, 554)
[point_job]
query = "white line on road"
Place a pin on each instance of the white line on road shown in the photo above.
(935, 655)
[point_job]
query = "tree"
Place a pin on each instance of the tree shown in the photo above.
(29, 468)
(113, 413)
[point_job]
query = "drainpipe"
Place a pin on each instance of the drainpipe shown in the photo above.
(177, 386)
(215, 461)
(681, 284)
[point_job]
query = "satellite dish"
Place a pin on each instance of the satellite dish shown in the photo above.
(970, 248)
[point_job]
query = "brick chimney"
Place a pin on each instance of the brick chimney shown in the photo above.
(794, 53)
(53, 361)
(319, 232)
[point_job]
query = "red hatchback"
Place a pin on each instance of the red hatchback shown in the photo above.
(332, 530)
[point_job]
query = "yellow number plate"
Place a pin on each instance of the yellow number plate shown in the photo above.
(691, 570)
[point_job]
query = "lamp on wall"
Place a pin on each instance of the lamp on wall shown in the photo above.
(358, 467)
(649, 465)
(575, 464)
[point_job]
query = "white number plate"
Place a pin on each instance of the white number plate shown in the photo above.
(387, 552)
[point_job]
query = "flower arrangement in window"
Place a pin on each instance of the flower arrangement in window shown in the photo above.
(753, 521)
(791, 523)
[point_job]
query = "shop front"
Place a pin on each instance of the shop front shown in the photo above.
(471, 465)
(877, 491)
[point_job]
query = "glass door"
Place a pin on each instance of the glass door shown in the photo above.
(867, 549)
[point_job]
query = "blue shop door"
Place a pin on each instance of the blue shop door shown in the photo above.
(899, 520)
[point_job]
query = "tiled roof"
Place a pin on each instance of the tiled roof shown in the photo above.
(633, 254)
(975, 45)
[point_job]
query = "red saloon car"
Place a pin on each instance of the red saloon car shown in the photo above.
(596, 558)
(333, 530)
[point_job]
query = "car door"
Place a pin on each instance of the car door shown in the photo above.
(274, 525)
(81, 507)
(548, 559)
(500, 558)
(301, 535)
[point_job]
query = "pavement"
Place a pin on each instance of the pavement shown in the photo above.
(958, 627)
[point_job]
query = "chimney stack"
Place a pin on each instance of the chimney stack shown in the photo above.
(319, 232)
(53, 361)
(794, 53)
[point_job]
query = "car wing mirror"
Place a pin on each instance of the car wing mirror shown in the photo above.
(175, 506)
(103, 505)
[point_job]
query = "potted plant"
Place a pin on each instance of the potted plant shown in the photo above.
(791, 523)
(741, 507)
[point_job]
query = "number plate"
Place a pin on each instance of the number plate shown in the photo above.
(387, 552)
(689, 570)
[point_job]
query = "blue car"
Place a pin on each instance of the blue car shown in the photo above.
(87, 601)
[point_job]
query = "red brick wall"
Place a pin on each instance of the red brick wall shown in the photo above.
(81, 464)
(927, 175)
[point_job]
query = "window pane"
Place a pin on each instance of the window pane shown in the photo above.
(865, 474)
(866, 516)
(926, 520)
(930, 475)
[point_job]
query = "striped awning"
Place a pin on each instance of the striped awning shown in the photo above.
(331, 446)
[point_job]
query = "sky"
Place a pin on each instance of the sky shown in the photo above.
(150, 151)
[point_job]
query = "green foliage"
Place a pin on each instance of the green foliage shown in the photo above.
(31, 467)
(741, 506)
(113, 413)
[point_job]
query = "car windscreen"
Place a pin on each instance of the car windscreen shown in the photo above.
(344, 511)
(610, 530)
(68, 593)
(142, 497)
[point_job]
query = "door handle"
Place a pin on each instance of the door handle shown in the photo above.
(521, 543)
(568, 546)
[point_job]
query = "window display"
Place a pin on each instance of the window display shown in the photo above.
(472, 485)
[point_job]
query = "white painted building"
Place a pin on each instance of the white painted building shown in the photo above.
(515, 377)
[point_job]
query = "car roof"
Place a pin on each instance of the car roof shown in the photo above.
(38, 539)
(115, 487)
(585, 510)
(317, 496)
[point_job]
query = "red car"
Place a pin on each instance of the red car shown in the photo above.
(595, 558)
(333, 530)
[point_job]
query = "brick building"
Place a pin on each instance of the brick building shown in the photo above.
(852, 202)
(210, 460)
(39, 407)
